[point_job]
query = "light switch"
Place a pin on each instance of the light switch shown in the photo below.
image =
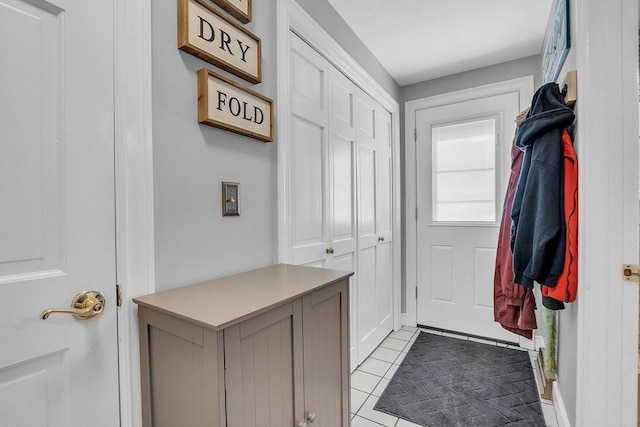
(230, 198)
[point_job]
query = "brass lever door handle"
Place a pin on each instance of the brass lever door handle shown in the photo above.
(85, 305)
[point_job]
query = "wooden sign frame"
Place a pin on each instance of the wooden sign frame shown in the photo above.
(227, 105)
(231, 7)
(206, 33)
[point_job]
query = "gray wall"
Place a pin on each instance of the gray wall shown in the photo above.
(481, 76)
(468, 79)
(193, 242)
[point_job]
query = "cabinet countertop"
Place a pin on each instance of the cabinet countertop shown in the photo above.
(219, 303)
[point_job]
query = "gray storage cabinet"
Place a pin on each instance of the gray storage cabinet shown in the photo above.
(265, 348)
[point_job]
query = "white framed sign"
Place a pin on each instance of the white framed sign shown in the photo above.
(228, 105)
(209, 35)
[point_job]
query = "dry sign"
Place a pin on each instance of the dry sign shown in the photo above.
(225, 104)
(207, 34)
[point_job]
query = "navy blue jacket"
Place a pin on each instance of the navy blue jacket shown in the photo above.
(538, 230)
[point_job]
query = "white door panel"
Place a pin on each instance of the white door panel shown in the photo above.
(342, 190)
(323, 154)
(384, 276)
(308, 183)
(57, 225)
(375, 255)
(342, 161)
(308, 83)
(367, 194)
(384, 222)
(384, 180)
(456, 259)
(309, 148)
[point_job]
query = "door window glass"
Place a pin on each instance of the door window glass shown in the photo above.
(464, 171)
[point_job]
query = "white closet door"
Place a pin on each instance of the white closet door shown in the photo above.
(384, 222)
(341, 181)
(323, 136)
(375, 286)
(309, 151)
(342, 135)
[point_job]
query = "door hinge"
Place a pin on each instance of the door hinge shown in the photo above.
(415, 134)
(416, 292)
(416, 214)
(118, 295)
(631, 273)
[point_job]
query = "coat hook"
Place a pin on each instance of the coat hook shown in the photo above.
(570, 88)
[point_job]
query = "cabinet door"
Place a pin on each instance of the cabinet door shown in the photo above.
(326, 361)
(259, 370)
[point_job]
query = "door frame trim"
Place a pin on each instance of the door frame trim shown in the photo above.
(523, 86)
(135, 268)
(291, 17)
(606, 325)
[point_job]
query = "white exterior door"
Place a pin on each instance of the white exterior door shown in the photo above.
(462, 164)
(375, 237)
(57, 225)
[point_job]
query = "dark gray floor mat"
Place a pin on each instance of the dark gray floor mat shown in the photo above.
(446, 382)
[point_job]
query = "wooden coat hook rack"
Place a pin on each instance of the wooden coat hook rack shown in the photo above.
(569, 88)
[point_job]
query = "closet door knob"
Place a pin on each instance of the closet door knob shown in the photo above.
(381, 239)
(301, 424)
(329, 250)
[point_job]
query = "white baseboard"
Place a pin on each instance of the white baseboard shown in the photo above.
(559, 408)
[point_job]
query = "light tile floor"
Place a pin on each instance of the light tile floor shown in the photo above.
(372, 376)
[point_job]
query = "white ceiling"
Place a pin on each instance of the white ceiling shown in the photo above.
(418, 40)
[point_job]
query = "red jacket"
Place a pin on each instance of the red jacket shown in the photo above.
(513, 305)
(566, 287)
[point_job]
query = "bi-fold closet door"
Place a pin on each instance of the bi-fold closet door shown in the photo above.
(340, 187)
(375, 224)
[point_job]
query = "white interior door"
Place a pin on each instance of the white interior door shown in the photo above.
(57, 234)
(462, 165)
(323, 167)
(375, 254)
(341, 183)
(309, 124)
(342, 201)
